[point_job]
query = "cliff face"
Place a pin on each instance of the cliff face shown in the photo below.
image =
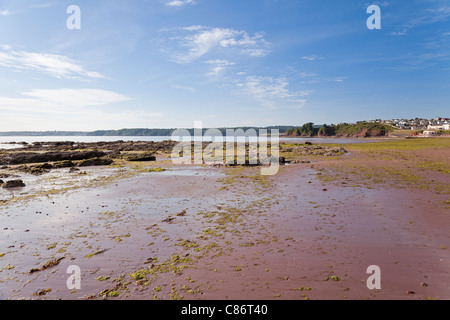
(365, 133)
(359, 130)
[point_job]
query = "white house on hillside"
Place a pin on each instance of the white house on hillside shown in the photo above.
(445, 126)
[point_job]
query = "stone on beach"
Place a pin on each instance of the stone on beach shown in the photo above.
(13, 184)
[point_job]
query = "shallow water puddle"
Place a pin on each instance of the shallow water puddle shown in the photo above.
(188, 172)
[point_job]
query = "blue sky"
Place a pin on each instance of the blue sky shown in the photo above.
(168, 63)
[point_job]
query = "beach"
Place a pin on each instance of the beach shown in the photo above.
(159, 230)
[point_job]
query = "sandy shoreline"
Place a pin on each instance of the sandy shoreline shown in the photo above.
(225, 233)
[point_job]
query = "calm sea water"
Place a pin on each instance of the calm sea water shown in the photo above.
(19, 139)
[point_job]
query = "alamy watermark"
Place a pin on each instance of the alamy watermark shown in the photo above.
(374, 281)
(237, 147)
(74, 281)
(74, 21)
(374, 21)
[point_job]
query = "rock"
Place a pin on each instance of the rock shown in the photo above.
(64, 164)
(142, 158)
(300, 161)
(42, 292)
(13, 184)
(168, 219)
(1, 182)
(33, 157)
(181, 214)
(73, 169)
(95, 162)
(36, 170)
(44, 166)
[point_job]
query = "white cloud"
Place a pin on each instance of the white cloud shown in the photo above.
(218, 66)
(201, 41)
(62, 101)
(55, 65)
(79, 121)
(179, 3)
(71, 109)
(256, 52)
(5, 13)
(312, 58)
(272, 92)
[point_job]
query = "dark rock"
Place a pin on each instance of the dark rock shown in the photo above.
(142, 158)
(64, 164)
(33, 157)
(46, 166)
(42, 292)
(283, 160)
(36, 170)
(13, 184)
(168, 219)
(95, 162)
(301, 161)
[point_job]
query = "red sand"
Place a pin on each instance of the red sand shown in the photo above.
(291, 240)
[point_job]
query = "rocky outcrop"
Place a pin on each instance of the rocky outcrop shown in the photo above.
(111, 147)
(316, 150)
(13, 184)
(141, 158)
(34, 157)
(95, 162)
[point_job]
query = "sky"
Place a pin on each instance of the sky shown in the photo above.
(226, 63)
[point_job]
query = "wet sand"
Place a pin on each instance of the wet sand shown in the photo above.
(196, 232)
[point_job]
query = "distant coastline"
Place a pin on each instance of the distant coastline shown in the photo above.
(129, 132)
(360, 129)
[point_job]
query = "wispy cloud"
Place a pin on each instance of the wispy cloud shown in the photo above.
(312, 57)
(200, 41)
(426, 17)
(60, 100)
(42, 5)
(378, 3)
(52, 64)
(179, 3)
(72, 109)
(272, 92)
(5, 13)
(218, 66)
(184, 88)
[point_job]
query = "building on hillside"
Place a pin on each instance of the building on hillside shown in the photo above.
(436, 127)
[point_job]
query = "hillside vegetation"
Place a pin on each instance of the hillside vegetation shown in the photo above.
(360, 129)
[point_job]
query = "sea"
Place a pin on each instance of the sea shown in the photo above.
(6, 142)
